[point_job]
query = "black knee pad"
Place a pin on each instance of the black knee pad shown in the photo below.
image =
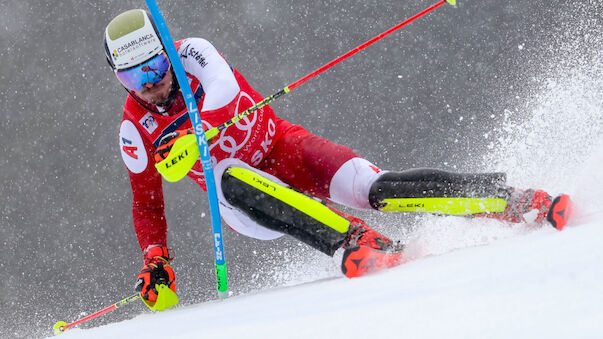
(282, 209)
(414, 188)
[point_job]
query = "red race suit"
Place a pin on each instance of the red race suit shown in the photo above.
(261, 140)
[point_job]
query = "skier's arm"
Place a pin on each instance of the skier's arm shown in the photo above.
(201, 59)
(148, 210)
(147, 191)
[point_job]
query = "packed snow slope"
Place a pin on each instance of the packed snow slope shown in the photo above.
(545, 284)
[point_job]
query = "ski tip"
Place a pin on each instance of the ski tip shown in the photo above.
(560, 212)
(59, 327)
(451, 2)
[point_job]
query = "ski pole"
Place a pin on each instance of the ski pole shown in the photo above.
(210, 182)
(213, 132)
(62, 326)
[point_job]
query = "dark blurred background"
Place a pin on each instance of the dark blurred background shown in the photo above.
(424, 96)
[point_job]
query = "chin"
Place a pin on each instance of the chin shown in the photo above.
(159, 102)
(157, 99)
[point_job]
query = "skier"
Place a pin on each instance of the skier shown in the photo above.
(270, 174)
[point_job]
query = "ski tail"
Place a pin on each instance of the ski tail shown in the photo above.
(362, 260)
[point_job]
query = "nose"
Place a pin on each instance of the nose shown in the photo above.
(148, 85)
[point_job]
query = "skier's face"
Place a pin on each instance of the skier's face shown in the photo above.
(157, 93)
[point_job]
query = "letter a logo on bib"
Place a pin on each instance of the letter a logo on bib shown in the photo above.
(132, 148)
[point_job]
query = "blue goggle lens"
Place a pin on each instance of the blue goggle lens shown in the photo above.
(151, 72)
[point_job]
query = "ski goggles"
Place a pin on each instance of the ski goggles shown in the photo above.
(151, 72)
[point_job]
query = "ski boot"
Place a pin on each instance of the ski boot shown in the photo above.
(560, 211)
(367, 251)
(556, 211)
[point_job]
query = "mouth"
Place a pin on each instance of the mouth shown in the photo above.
(156, 94)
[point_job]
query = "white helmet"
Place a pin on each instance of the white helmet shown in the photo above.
(131, 38)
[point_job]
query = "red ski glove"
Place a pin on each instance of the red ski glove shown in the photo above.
(156, 271)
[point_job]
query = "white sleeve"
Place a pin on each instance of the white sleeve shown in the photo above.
(201, 59)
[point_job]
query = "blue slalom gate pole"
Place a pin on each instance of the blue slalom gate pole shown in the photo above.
(210, 182)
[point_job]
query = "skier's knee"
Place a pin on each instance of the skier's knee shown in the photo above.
(282, 209)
